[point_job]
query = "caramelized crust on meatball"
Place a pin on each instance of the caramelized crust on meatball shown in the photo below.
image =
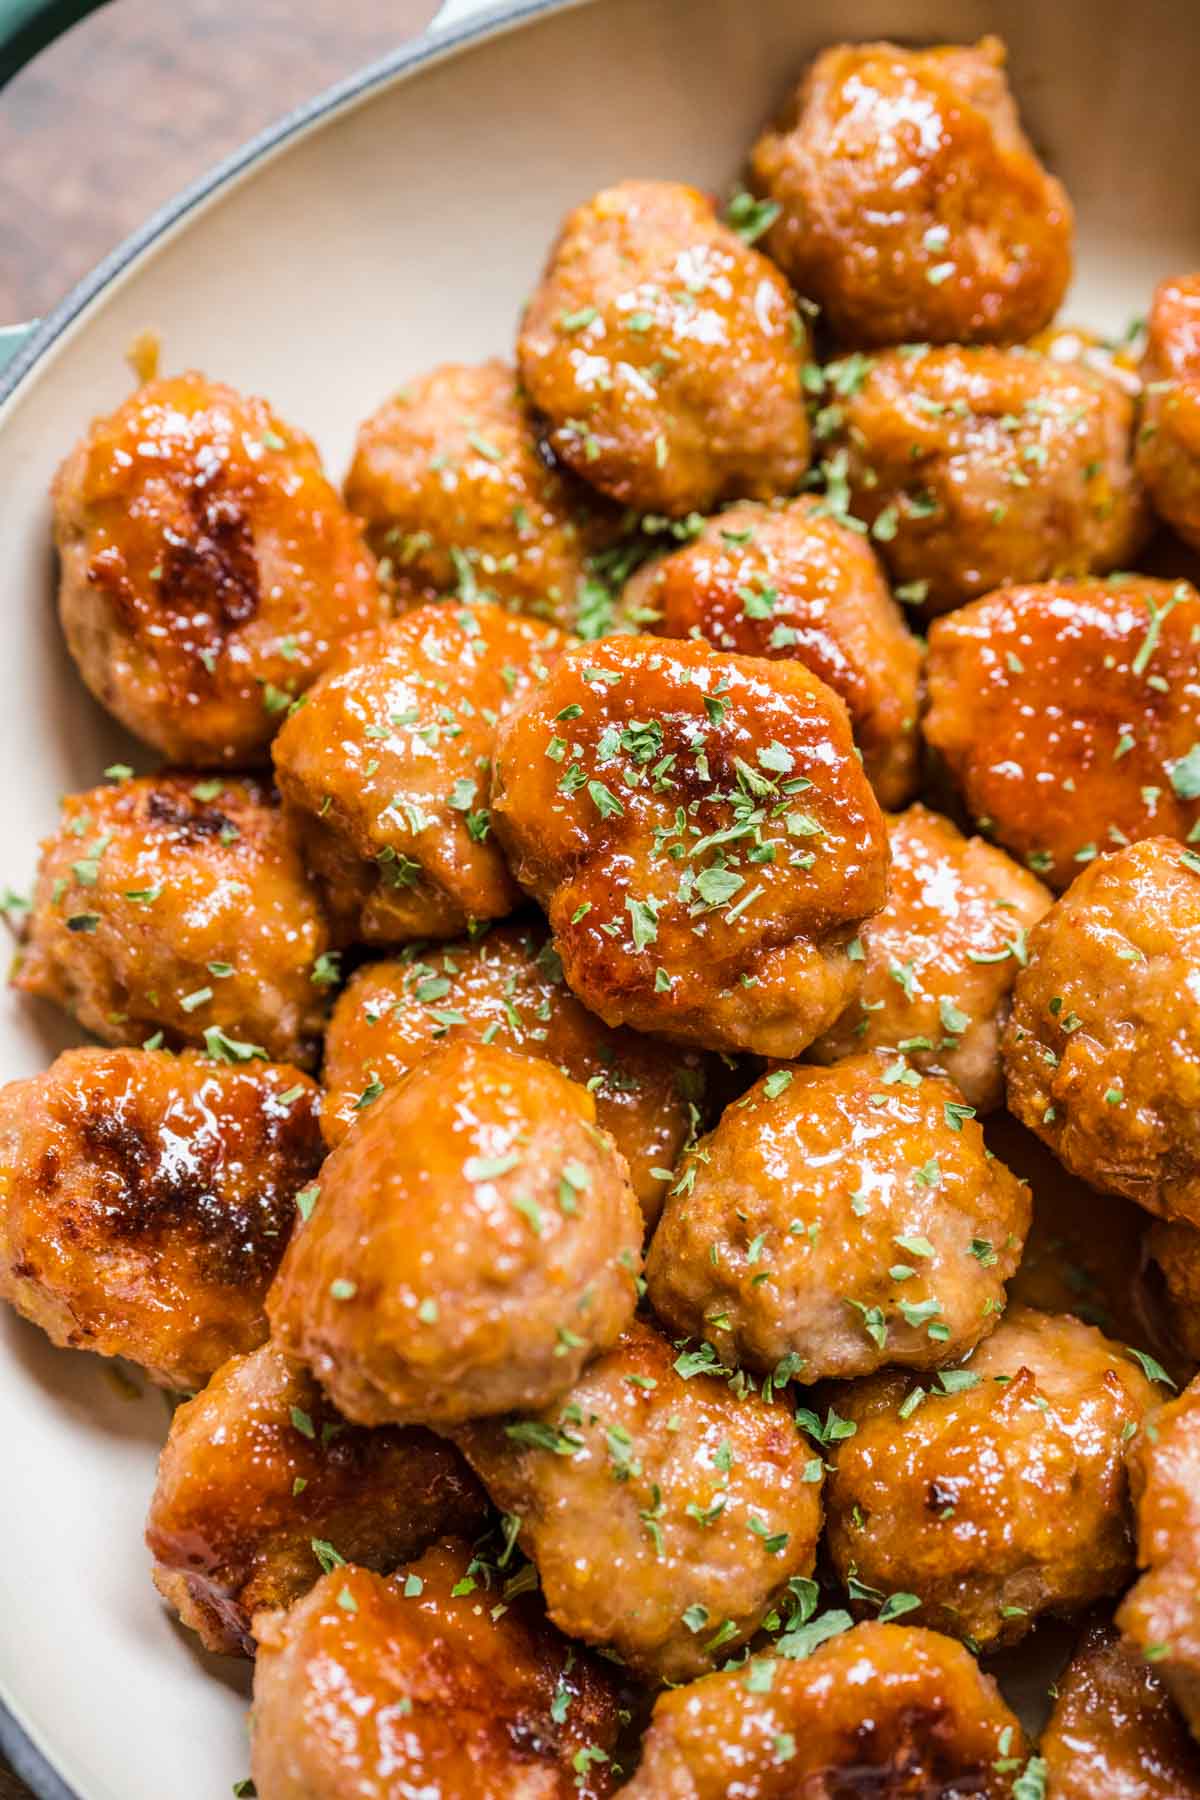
(940, 960)
(476, 1240)
(1174, 1250)
(664, 354)
(881, 1710)
(1114, 1733)
(207, 568)
(1102, 1051)
(372, 1689)
(793, 581)
(385, 770)
(1069, 715)
(1161, 1613)
(702, 835)
(1168, 444)
(260, 1472)
(998, 1493)
(837, 1220)
(507, 988)
(911, 204)
(146, 1199)
(177, 908)
(665, 1513)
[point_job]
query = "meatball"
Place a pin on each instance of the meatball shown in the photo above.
(665, 1513)
(881, 1709)
(146, 1199)
(507, 988)
(1168, 444)
(374, 1688)
(940, 960)
(1161, 1613)
(978, 467)
(1102, 1051)
(385, 770)
(998, 1493)
(177, 910)
(262, 1482)
(793, 581)
(702, 835)
(1114, 1731)
(1174, 1249)
(664, 354)
(908, 201)
(1069, 715)
(476, 1240)
(837, 1220)
(207, 568)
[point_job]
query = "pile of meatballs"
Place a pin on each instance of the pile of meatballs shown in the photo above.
(740, 1264)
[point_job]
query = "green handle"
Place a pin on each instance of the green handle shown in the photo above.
(27, 26)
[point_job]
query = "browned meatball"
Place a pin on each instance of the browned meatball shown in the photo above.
(978, 467)
(940, 960)
(1168, 445)
(702, 835)
(910, 203)
(1174, 1249)
(261, 1482)
(1102, 1050)
(837, 1220)
(475, 1242)
(793, 581)
(665, 354)
(176, 909)
(880, 1710)
(666, 1515)
(422, 1685)
(208, 568)
(1069, 715)
(1161, 1613)
(998, 1493)
(146, 1199)
(1114, 1733)
(507, 988)
(385, 769)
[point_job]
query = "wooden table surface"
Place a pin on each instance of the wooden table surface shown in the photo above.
(138, 99)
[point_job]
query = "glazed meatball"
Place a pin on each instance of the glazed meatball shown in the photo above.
(146, 1199)
(793, 581)
(261, 1481)
(507, 988)
(978, 467)
(664, 355)
(1102, 1050)
(476, 1240)
(385, 770)
(1168, 445)
(909, 201)
(372, 1689)
(837, 1220)
(1161, 1613)
(702, 835)
(1114, 1731)
(665, 1513)
(940, 960)
(176, 909)
(998, 1492)
(1069, 715)
(1174, 1250)
(207, 568)
(881, 1709)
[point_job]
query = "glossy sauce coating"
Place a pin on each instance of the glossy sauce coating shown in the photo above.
(1114, 1733)
(385, 770)
(146, 1199)
(702, 836)
(940, 959)
(664, 354)
(793, 581)
(1173, 1248)
(1168, 443)
(476, 1239)
(207, 568)
(378, 1689)
(911, 204)
(177, 906)
(665, 1513)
